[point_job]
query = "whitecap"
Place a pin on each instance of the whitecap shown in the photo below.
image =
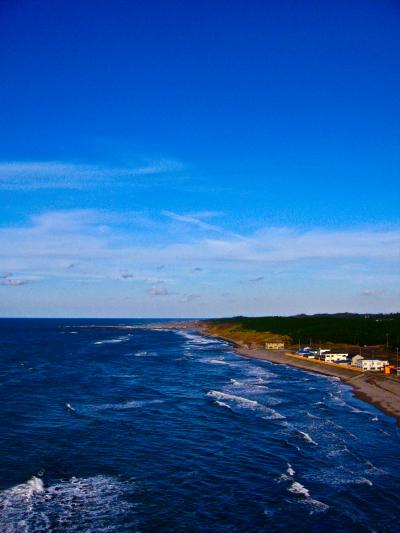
(245, 403)
(69, 407)
(117, 340)
(75, 505)
(310, 415)
(198, 339)
(24, 491)
(143, 353)
(290, 471)
(215, 362)
(298, 488)
(307, 437)
(133, 404)
(222, 404)
(363, 481)
(317, 505)
(259, 371)
(237, 399)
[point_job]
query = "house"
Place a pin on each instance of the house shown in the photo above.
(371, 364)
(332, 356)
(275, 345)
(356, 358)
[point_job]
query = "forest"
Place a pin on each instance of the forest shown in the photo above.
(343, 328)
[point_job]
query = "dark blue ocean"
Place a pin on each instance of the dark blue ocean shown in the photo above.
(167, 431)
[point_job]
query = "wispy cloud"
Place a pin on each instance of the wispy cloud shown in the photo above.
(195, 219)
(93, 246)
(30, 175)
(158, 291)
(8, 279)
(186, 298)
(372, 293)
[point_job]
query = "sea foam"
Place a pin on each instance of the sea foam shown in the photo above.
(245, 403)
(76, 505)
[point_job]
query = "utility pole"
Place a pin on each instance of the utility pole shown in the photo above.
(397, 361)
(387, 340)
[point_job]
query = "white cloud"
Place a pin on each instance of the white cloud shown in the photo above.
(194, 220)
(186, 298)
(371, 293)
(14, 282)
(72, 247)
(30, 175)
(158, 291)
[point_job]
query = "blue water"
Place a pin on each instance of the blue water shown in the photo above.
(153, 431)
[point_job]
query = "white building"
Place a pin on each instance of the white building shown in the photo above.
(356, 358)
(333, 357)
(370, 364)
(275, 345)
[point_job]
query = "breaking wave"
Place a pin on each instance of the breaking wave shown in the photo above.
(245, 403)
(143, 353)
(117, 340)
(77, 505)
(304, 435)
(133, 404)
(301, 491)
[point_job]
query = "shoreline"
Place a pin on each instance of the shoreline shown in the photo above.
(375, 388)
(383, 392)
(371, 387)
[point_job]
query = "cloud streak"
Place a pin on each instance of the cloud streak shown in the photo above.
(33, 175)
(158, 291)
(195, 220)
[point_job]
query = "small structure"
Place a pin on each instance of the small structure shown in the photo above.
(356, 358)
(331, 356)
(275, 345)
(306, 352)
(371, 364)
(389, 369)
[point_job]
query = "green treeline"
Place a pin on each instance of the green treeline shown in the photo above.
(345, 328)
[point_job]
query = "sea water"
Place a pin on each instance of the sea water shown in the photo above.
(150, 431)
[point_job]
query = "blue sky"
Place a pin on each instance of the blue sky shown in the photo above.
(199, 158)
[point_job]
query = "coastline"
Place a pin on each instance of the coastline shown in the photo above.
(372, 387)
(381, 391)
